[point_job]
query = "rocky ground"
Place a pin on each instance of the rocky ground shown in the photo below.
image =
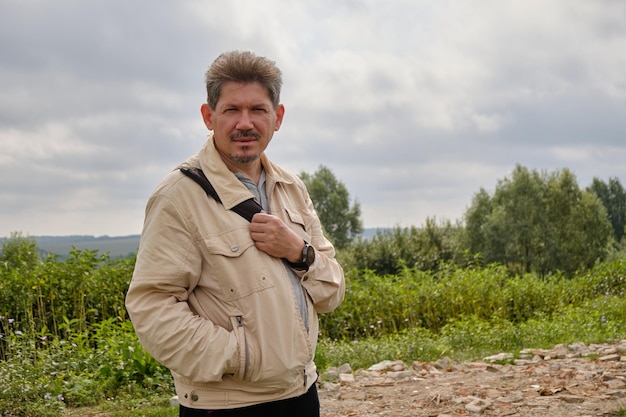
(576, 380)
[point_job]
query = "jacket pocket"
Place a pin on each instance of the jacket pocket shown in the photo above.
(296, 218)
(236, 264)
(267, 365)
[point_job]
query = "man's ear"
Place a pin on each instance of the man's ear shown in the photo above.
(207, 114)
(280, 113)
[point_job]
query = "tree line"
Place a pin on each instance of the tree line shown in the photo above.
(497, 280)
(534, 222)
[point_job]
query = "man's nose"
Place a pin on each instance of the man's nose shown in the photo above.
(245, 121)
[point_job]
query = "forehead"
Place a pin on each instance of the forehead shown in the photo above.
(233, 92)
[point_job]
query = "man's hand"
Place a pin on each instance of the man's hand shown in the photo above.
(273, 237)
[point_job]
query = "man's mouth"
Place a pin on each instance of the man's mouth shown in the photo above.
(246, 136)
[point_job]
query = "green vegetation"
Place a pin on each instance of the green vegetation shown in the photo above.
(66, 342)
(341, 220)
(464, 314)
(390, 251)
(613, 197)
(539, 222)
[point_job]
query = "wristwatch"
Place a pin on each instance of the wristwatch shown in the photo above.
(308, 256)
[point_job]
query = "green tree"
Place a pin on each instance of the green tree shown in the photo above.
(340, 219)
(613, 196)
(426, 248)
(538, 222)
(475, 218)
(19, 252)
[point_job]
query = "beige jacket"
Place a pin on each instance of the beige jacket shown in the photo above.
(220, 314)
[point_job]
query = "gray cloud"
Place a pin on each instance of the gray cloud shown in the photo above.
(414, 105)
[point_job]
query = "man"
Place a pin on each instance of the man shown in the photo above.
(230, 306)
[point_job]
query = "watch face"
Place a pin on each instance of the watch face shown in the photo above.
(309, 256)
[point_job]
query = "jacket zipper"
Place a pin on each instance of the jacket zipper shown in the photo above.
(245, 354)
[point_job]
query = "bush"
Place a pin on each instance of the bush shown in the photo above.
(44, 295)
(406, 345)
(378, 305)
(66, 341)
(390, 251)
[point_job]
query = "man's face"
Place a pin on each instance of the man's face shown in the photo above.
(243, 122)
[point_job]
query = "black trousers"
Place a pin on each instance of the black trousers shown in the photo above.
(306, 405)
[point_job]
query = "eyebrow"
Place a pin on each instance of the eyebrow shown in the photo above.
(255, 105)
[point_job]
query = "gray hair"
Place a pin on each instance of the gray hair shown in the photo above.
(242, 67)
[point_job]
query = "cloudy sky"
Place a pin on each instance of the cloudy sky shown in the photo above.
(413, 104)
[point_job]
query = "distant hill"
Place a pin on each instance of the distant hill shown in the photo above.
(115, 246)
(371, 232)
(118, 246)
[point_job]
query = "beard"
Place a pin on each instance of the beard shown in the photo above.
(244, 159)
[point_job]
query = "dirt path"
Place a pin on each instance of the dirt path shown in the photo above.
(578, 380)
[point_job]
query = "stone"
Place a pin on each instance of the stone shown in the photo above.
(397, 366)
(542, 353)
(610, 350)
(380, 366)
(493, 369)
(369, 374)
(512, 398)
(578, 347)
(562, 381)
(621, 347)
(559, 352)
(345, 369)
(399, 374)
(493, 393)
(346, 378)
(478, 405)
(500, 357)
(620, 393)
(330, 386)
(572, 399)
(610, 358)
(615, 384)
(444, 364)
(331, 374)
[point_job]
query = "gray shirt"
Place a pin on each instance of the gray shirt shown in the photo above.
(260, 195)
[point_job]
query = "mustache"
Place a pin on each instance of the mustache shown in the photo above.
(245, 134)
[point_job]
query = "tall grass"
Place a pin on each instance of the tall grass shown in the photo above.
(378, 305)
(66, 341)
(85, 288)
(472, 337)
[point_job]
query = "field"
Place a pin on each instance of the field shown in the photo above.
(67, 346)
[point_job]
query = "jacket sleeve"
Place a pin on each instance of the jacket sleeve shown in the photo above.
(324, 281)
(167, 270)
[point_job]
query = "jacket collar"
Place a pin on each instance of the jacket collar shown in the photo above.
(228, 187)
